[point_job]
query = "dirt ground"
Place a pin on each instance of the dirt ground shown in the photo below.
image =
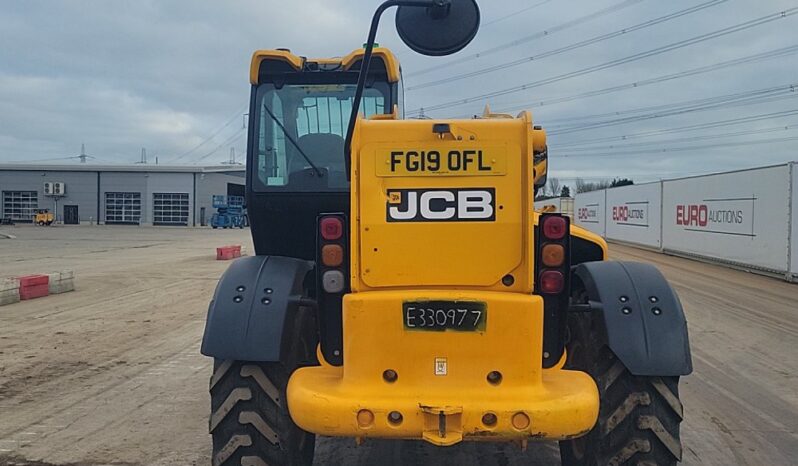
(111, 373)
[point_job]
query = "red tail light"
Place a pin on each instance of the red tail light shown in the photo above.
(331, 228)
(552, 282)
(554, 227)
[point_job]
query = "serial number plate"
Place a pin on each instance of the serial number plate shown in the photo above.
(437, 316)
(431, 161)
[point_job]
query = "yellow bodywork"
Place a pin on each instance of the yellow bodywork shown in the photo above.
(326, 400)
(442, 389)
(297, 62)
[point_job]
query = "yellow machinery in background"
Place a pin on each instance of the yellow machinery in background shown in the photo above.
(43, 217)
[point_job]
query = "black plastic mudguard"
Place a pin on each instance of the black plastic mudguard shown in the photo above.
(643, 318)
(248, 313)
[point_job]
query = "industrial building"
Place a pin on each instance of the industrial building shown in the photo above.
(141, 194)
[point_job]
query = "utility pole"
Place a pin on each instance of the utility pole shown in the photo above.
(143, 155)
(82, 155)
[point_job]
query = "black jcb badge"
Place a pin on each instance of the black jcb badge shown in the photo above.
(441, 205)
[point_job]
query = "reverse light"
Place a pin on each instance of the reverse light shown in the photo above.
(554, 227)
(333, 281)
(331, 228)
(552, 281)
(332, 255)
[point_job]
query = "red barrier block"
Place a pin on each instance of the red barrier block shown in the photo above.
(228, 252)
(34, 291)
(33, 280)
(225, 253)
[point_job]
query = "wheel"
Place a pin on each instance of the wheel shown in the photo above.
(250, 423)
(639, 416)
(214, 227)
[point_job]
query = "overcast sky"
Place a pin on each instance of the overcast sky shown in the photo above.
(166, 75)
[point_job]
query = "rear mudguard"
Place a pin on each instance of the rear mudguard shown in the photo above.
(643, 318)
(255, 302)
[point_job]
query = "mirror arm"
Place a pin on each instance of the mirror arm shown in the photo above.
(364, 67)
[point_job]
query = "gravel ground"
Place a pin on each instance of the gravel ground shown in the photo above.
(111, 373)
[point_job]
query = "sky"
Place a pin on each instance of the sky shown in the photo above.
(605, 78)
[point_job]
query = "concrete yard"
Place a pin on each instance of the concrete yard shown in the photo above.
(111, 373)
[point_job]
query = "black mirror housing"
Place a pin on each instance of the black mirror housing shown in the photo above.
(444, 28)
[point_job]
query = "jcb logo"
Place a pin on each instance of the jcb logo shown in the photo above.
(441, 205)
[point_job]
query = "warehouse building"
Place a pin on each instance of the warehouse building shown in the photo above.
(141, 194)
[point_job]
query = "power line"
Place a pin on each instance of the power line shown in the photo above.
(683, 149)
(705, 137)
(568, 48)
(696, 127)
(213, 135)
(740, 102)
(516, 13)
(707, 100)
(622, 61)
(777, 53)
(233, 138)
(538, 35)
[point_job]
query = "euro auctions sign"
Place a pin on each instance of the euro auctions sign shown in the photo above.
(732, 216)
(588, 213)
(631, 213)
(737, 217)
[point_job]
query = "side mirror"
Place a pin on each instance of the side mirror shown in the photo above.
(429, 27)
(444, 28)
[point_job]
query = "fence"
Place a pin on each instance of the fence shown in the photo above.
(747, 218)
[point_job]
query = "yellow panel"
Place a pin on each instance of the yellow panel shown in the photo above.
(379, 53)
(261, 55)
(459, 251)
(326, 400)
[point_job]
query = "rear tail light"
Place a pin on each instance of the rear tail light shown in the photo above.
(552, 281)
(554, 227)
(332, 228)
(553, 271)
(332, 282)
(331, 263)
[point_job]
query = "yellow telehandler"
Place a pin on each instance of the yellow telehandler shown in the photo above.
(404, 287)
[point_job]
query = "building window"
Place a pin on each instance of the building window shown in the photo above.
(123, 208)
(20, 205)
(170, 209)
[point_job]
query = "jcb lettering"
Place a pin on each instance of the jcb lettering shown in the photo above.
(441, 205)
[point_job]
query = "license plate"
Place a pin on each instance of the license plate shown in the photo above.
(442, 161)
(438, 316)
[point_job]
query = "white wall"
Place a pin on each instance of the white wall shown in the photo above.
(740, 217)
(589, 211)
(634, 214)
(794, 240)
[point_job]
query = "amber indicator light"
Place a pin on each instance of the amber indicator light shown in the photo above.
(553, 255)
(332, 255)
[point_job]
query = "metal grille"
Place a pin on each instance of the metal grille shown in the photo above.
(170, 208)
(123, 208)
(20, 205)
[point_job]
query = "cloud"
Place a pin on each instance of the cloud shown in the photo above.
(166, 75)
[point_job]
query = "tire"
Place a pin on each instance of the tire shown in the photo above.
(250, 423)
(639, 416)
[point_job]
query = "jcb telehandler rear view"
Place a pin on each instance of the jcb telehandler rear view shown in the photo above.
(404, 286)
